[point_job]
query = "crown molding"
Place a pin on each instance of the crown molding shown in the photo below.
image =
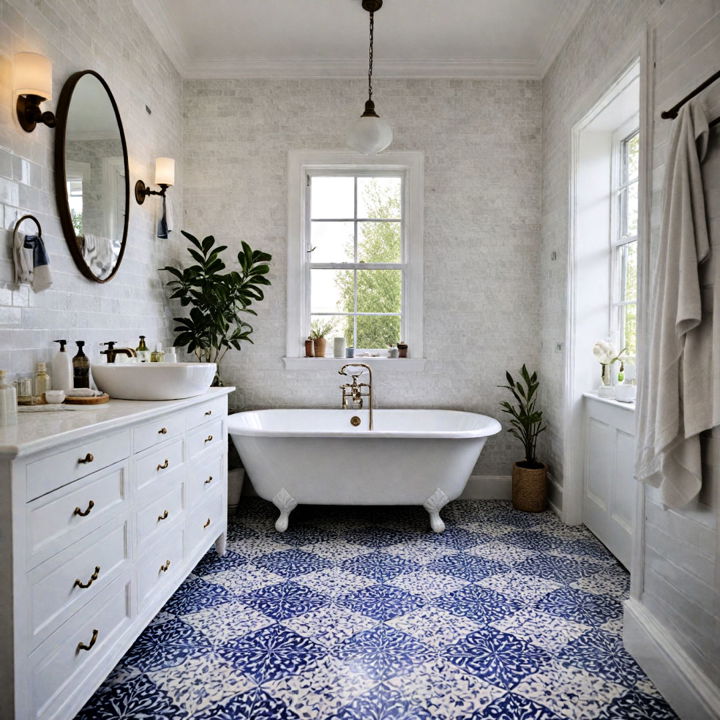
(318, 69)
(570, 16)
(161, 26)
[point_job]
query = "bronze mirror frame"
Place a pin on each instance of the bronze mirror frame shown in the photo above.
(61, 196)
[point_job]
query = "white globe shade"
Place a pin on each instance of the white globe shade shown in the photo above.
(370, 135)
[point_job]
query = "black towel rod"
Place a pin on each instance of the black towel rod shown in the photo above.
(673, 111)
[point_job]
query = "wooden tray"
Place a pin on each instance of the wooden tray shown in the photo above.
(97, 400)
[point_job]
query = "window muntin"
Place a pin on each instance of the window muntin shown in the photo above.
(626, 154)
(355, 256)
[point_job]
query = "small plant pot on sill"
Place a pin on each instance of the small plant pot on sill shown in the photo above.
(529, 487)
(319, 347)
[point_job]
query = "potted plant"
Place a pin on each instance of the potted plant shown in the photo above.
(318, 332)
(529, 477)
(218, 300)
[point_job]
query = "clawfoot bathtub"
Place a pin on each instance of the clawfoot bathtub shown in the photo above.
(329, 457)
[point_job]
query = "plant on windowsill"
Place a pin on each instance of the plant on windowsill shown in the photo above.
(217, 300)
(318, 331)
(529, 476)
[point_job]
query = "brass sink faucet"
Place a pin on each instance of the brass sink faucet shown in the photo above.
(353, 393)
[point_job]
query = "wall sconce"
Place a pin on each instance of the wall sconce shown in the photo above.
(32, 83)
(164, 177)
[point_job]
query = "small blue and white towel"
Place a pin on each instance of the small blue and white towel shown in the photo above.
(165, 222)
(31, 262)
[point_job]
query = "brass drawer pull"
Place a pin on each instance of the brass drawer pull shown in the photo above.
(164, 516)
(87, 459)
(86, 511)
(164, 466)
(79, 583)
(165, 566)
(208, 412)
(162, 431)
(208, 438)
(209, 480)
(89, 646)
(207, 523)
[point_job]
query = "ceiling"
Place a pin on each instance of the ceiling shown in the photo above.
(328, 38)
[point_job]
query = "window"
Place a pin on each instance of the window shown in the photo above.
(624, 228)
(355, 250)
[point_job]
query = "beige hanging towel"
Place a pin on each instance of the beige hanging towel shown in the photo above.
(668, 435)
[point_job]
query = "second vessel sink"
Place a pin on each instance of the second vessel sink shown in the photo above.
(154, 381)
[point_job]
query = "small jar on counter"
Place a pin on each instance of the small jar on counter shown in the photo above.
(42, 382)
(8, 402)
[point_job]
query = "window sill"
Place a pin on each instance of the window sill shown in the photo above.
(610, 401)
(330, 363)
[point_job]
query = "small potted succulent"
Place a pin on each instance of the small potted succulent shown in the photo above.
(529, 476)
(319, 330)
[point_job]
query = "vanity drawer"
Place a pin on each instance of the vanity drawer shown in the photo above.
(64, 660)
(159, 565)
(65, 515)
(205, 474)
(158, 461)
(203, 412)
(208, 436)
(153, 517)
(79, 573)
(167, 427)
(206, 523)
(61, 468)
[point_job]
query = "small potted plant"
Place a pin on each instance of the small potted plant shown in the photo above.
(319, 330)
(529, 477)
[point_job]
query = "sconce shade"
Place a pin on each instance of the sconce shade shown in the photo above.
(164, 171)
(32, 75)
(370, 135)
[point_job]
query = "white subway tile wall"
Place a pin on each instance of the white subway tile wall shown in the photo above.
(681, 547)
(482, 147)
(111, 38)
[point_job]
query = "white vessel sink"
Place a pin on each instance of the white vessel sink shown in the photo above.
(153, 381)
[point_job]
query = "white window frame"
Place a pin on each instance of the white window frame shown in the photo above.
(301, 164)
(617, 240)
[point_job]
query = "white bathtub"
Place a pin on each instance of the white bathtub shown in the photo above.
(411, 457)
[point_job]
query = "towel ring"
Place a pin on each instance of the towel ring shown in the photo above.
(28, 217)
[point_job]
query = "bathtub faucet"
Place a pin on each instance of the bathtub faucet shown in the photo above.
(353, 393)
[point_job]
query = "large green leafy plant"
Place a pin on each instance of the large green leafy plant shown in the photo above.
(218, 300)
(525, 419)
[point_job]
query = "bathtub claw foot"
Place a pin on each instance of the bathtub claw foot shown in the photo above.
(434, 504)
(285, 503)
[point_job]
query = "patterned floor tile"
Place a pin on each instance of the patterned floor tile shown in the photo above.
(468, 567)
(381, 703)
(271, 653)
(514, 707)
(554, 567)
(338, 550)
(334, 582)
(289, 563)
(615, 584)
(478, 603)
(421, 552)
(434, 626)
(532, 540)
(461, 538)
(212, 563)
(382, 602)
(445, 690)
(546, 631)
(225, 622)
(614, 626)
(285, 600)
(376, 537)
(516, 586)
(256, 546)
(637, 706)
(378, 566)
(502, 552)
(569, 691)
(427, 584)
(500, 659)
(252, 705)
(195, 594)
(382, 653)
(580, 606)
(329, 625)
(249, 579)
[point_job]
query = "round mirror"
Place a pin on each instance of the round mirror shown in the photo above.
(91, 175)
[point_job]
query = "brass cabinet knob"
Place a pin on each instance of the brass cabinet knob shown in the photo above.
(208, 438)
(209, 480)
(207, 523)
(89, 646)
(162, 431)
(164, 516)
(87, 459)
(79, 583)
(86, 511)
(164, 465)
(165, 566)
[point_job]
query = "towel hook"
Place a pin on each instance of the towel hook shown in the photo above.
(28, 217)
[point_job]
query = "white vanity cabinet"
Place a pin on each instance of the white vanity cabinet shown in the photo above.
(103, 513)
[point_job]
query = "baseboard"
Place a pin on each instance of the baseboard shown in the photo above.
(488, 487)
(690, 692)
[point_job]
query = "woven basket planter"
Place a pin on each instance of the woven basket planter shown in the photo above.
(529, 488)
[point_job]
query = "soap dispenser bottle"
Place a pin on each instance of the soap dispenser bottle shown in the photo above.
(143, 354)
(81, 367)
(62, 369)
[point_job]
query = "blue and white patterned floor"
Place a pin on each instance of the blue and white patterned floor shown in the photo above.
(364, 614)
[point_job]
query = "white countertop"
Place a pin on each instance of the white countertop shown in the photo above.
(38, 430)
(610, 401)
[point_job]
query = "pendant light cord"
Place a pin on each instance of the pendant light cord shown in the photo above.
(370, 55)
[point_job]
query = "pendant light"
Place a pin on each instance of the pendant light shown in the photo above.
(370, 134)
